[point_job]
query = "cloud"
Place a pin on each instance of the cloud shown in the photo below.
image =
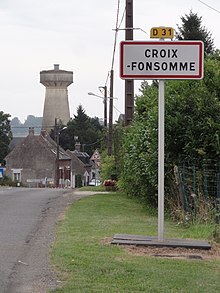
(78, 35)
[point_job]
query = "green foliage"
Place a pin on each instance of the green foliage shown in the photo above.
(192, 29)
(78, 180)
(93, 188)
(88, 130)
(108, 166)
(216, 233)
(6, 181)
(139, 177)
(193, 116)
(118, 134)
(112, 166)
(192, 121)
(192, 127)
(5, 135)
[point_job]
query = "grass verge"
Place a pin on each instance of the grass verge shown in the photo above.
(92, 188)
(86, 264)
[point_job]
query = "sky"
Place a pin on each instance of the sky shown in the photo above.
(78, 35)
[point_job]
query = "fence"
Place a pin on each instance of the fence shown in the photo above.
(198, 188)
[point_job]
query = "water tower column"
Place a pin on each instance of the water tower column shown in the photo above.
(56, 104)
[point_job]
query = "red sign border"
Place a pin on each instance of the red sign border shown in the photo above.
(150, 76)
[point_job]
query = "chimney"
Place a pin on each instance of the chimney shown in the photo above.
(31, 131)
(78, 146)
(56, 67)
(43, 132)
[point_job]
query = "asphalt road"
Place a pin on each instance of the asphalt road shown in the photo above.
(27, 224)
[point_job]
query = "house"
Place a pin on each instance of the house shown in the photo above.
(96, 159)
(33, 162)
(81, 166)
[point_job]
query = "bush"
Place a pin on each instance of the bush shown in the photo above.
(78, 181)
(107, 167)
(6, 181)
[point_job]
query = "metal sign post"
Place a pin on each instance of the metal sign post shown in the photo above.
(161, 139)
(161, 161)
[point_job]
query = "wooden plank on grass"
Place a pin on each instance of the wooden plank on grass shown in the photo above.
(140, 240)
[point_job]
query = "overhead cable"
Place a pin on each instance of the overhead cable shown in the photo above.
(209, 6)
(115, 40)
(116, 35)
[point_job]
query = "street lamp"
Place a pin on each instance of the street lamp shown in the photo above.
(57, 132)
(105, 116)
(92, 94)
(104, 102)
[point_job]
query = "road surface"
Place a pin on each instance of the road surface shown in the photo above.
(27, 224)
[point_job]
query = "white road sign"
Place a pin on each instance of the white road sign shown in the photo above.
(161, 60)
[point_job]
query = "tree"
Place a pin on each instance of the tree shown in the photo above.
(192, 29)
(192, 127)
(87, 130)
(139, 175)
(5, 135)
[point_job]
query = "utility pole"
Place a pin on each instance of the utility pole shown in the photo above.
(110, 114)
(129, 84)
(105, 106)
(57, 165)
(105, 103)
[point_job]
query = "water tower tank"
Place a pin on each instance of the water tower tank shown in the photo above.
(56, 104)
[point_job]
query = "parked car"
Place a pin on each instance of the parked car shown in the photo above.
(94, 182)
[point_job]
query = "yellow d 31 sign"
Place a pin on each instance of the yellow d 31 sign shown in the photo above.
(162, 32)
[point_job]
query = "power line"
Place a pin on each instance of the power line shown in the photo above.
(117, 28)
(117, 110)
(138, 28)
(116, 35)
(107, 79)
(115, 40)
(93, 143)
(123, 16)
(133, 28)
(209, 6)
(28, 126)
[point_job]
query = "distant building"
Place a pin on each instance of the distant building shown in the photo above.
(32, 162)
(81, 166)
(56, 104)
(96, 159)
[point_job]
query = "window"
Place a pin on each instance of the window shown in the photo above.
(16, 175)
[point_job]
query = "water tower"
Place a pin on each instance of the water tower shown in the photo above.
(56, 103)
